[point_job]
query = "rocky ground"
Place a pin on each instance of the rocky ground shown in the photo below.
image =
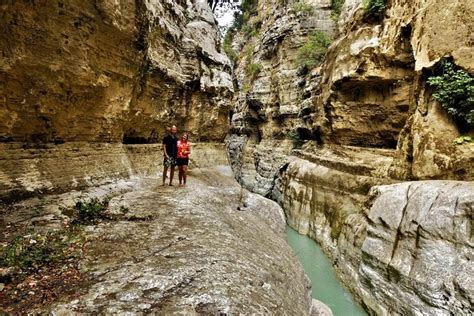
(209, 247)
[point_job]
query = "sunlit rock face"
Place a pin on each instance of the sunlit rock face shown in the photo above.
(403, 248)
(280, 97)
(370, 93)
(379, 70)
(103, 72)
(366, 117)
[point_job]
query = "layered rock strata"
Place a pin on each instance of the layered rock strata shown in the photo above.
(366, 118)
(402, 249)
(88, 76)
(76, 165)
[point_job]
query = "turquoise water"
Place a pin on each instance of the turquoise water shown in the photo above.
(326, 286)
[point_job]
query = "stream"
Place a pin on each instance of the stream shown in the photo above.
(326, 287)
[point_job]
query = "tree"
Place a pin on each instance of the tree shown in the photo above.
(229, 4)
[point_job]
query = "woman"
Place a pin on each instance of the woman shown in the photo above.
(183, 158)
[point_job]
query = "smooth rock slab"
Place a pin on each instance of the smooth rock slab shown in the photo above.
(196, 253)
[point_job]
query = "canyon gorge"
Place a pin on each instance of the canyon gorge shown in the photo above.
(321, 115)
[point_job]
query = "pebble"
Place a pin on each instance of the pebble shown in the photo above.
(2, 286)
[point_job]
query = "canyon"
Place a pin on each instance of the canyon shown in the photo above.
(353, 149)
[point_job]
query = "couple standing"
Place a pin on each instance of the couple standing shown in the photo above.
(176, 153)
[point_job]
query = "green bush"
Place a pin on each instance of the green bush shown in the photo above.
(29, 251)
(454, 90)
(374, 9)
(336, 7)
(251, 30)
(295, 138)
(313, 51)
(303, 7)
(241, 19)
(252, 70)
(90, 212)
(227, 45)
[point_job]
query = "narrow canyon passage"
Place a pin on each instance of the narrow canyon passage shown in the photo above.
(209, 247)
(350, 121)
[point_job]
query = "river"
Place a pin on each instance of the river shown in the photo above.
(326, 287)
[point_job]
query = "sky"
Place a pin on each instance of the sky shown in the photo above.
(225, 16)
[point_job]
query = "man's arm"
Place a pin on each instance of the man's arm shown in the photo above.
(165, 152)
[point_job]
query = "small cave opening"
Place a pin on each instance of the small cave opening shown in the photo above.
(306, 134)
(134, 138)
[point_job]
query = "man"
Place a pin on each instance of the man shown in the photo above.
(170, 153)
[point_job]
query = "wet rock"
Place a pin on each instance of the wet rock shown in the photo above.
(319, 308)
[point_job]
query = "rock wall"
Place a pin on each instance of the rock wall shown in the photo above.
(79, 78)
(380, 70)
(366, 118)
(58, 168)
(402, 249)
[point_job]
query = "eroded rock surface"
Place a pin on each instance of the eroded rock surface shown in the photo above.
(419, 235)
(79, 78)
(364, 117)
(205, 248)
(405, 248)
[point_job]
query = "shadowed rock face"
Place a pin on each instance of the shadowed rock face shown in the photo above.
(79, 78)
(108, 71)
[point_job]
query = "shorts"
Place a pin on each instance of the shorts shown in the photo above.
(183, 161)
(169, 162)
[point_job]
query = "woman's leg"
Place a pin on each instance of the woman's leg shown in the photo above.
(185, 173)
(180, 174)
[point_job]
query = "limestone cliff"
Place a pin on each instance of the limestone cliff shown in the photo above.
(79, 78)
(364, 117)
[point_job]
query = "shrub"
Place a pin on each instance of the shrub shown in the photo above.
(90, 212)
(227, 45)
(374, 9)
(248, 52)
(336, 7)
(303, 7)
(29, 251)
(295, 137)
(251, 30)
(454, 90)
(313, 51)
(252, 70)
(241, 19)
(249, 6)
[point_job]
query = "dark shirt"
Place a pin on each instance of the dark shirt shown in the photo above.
(171, 143)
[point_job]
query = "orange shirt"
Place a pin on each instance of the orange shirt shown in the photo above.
(182, 147)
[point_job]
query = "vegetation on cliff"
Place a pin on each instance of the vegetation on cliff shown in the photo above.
(454, 90)
(302, 7)
(313, 51)
(241, 22)
(336, 6)
(374, 9)
(252, 70)
(295, 138)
